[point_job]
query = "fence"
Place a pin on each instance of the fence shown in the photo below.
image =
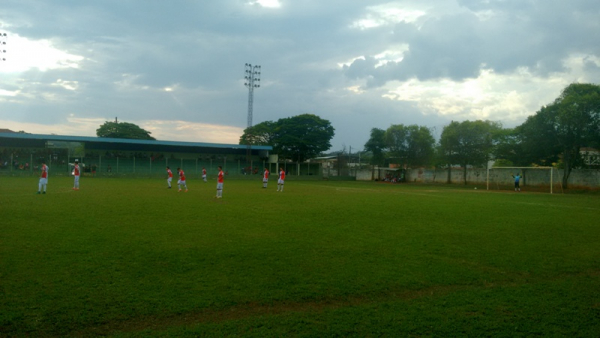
(498, 177)
(148, 166)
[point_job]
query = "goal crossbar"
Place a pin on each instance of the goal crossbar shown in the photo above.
(522, 168)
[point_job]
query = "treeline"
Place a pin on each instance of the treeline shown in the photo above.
(553, 136)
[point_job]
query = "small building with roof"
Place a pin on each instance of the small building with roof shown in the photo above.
(110, 156)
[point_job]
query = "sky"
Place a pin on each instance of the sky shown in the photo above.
(176, 68)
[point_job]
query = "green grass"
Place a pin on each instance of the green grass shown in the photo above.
(130, 258)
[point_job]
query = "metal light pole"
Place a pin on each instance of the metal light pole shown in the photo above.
(2, 45)
(252, 78)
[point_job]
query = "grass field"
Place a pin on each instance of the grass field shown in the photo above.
(130, 258)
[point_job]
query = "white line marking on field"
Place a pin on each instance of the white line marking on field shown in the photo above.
(557, 205)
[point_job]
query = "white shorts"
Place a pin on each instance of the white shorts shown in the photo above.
(43, 180)
(265, 180)
(219, 186)
(169, 179)
(280, 181)
(181, 182)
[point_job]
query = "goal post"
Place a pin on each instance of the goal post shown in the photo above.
(510, 171)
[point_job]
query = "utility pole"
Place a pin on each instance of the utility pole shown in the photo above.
(252, 78)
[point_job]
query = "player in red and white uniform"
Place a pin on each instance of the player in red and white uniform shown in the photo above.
(265, 178)
(76, 175)
(43, 179)
(220, 183)
(281, 180)
(181, 182)
(204, 174)
(169, 177)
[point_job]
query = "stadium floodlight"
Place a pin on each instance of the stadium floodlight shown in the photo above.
(252, 77)
(2, 44)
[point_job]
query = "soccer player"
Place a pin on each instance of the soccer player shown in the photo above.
(281, 179)
(43, 179)
(204, 174)
(169, 177)
(220, 183)
(265, 178)
(76, 175)
(181, 182)
(517, 179)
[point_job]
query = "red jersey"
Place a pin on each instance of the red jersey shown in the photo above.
(181, 175)
(44, 171)
(169, 173)
(76, 170)
(220, 179)
(282, 175)
(203, 171)
(266, 175)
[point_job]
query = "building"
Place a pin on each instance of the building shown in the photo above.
(123, 156)
(591, 157)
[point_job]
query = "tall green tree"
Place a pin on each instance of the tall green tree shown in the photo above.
(413, 145)
(123, 130)
(562, 128)
(302, 137)
(468, 143)
(376, 145)
(508, 148)
(297, 138)
(261, 134)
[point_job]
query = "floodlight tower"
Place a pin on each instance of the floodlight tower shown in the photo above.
(2, 45)
(252, 78)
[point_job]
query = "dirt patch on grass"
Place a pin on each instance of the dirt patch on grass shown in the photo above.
(248, 310)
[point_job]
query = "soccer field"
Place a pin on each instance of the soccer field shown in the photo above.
(130, 258)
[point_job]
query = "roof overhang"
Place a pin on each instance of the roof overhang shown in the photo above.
(22, 140)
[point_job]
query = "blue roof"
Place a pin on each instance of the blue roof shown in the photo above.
(146, 144)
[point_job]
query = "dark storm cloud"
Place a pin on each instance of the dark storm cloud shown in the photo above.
(498, 35)
(134, 50)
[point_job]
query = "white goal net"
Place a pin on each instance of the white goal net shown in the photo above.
(502, 178)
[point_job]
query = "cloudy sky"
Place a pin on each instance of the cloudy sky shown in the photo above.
(176, 68)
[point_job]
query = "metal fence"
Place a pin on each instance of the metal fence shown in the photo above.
(148, 166)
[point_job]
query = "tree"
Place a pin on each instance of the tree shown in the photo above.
(302, 137)
(261, 134)
(508, 149)
(560, 129)
(468, 143)
(413, 144)
(536, 138)
(123, 130)
(297, 138)
(420, 146)
(376, 145)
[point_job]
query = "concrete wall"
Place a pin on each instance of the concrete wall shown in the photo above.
(579, 177)
(534, 177)
(364, 175)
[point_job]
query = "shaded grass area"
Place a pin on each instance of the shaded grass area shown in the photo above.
(128, 257)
